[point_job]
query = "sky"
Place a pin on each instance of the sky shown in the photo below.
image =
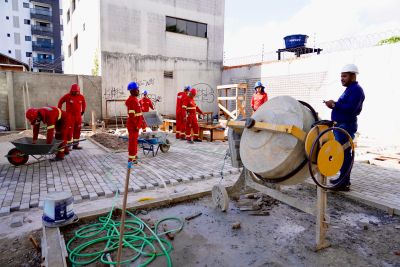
(251, 23)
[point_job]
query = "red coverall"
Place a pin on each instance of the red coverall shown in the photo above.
(190, 108)
(258, 99)
(146, 105)
(180, 115)
(134, 123)
(58, 120)
(75, 107)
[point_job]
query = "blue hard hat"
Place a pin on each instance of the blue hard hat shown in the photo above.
(258, 84)
(145, 92)
(133, 86)
(187, 87)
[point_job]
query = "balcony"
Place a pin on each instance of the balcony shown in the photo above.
(49, 2)
(42, 47)
(41, 14)
(40, 30)
(37, 62)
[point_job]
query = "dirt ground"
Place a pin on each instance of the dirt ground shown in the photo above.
(19, 251)
(359, 235)
(110, 141)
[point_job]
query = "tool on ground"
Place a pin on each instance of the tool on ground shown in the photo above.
(283, 143)
(24, 148)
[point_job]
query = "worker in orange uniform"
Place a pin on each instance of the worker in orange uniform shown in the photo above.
(135, 120)
(259, 97)
(75, 106)
(56, 120)
(180, 118)
(146, 105)
(190, 110)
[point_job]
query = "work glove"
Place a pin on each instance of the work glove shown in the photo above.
(82, 113)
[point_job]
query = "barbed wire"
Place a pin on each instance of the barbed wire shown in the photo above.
(344, 44)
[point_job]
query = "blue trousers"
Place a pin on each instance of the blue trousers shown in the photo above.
(351, 128)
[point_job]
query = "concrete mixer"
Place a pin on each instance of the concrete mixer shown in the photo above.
(284, 143)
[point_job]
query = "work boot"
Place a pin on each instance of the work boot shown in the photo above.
(190, 141)
(197, 140)
(66, 152)
(77, 147)
(183, 138)
(345, 188)
(56, 159)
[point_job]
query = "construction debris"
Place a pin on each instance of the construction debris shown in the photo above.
(17, 221)
(34, 243)
(257, 203)
(236, 225)
(191, 217)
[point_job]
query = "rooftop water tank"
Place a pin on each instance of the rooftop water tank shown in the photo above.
(296, 40)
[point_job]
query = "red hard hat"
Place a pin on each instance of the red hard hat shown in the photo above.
(32, 114)
(193, 92)
(75, 88)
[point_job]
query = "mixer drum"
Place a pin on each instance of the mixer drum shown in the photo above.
(273, 155)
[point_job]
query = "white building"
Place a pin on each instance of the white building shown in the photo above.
(30, 32)
(164, 45)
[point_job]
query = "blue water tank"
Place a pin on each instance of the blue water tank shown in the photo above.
(295, 40)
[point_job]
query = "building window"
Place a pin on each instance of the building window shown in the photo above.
(26, 5)
(69, 50)
(44, 70)
(28, 54)
(7, 17)
(8, 35)
(73, 5)
(76, 42)
(68, 16)
(27, 21)
(84, 26)
(187, 27)
(28, 38)
(9, 51)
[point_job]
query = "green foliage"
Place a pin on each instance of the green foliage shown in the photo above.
(95, 70)
(391, 40)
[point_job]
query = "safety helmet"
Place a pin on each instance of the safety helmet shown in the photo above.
(187, 88)
(133, 86)
(350, 68)
(145, 92)
(32, 114)
(75, 88)
(193, 92)
(258, 84)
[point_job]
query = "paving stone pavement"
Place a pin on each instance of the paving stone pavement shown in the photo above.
(92, 173)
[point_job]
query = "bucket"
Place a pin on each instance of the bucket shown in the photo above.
(58, 208)
(296, 40)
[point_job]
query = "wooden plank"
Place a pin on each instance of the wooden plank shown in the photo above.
(230, 98)
(226, 111)
(322, 224)
(235, 85)
(52, 248)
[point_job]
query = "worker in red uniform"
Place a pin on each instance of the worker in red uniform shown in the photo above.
(135, 120)
(75, 106)
(56, 120)
(259, 97)
(180, 119)
(146, 105)
(190, 110)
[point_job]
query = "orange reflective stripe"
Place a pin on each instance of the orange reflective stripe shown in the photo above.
(59, 114)
(50, 127)
(138, 114)
(131, 111)
(191, 108)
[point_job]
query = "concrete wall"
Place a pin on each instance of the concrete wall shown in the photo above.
(317, 78)
(44, 90)
(136, 47)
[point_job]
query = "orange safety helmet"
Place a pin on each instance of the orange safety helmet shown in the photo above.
(193, 92)
(32, 114)
(75, 88)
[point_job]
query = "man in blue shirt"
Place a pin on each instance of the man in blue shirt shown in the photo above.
(344, 113)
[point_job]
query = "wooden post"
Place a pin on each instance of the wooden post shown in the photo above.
(93, 122)
(122, 226)
(322, 224)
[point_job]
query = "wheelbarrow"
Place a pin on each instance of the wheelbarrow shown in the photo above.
(24, 148)
(152, 142)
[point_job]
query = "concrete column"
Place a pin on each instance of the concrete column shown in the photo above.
(10, 90)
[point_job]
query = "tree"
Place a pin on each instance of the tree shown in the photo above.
(95, 70)
(391, 40)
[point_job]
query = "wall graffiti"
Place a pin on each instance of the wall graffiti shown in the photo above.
(205, 93)
(114, 93)
(143, 83)
(154, 98)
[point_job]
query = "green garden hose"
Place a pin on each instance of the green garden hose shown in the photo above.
(106, 231)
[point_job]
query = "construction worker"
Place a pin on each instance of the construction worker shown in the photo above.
(56, 120)
(190, 110)
(259, 97)
(75, 106)
(146, 103)
(135, 120)
(180, 119)
(344, 113)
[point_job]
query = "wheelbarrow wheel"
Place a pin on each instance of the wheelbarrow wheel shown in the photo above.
(16, 157)
(165, 147)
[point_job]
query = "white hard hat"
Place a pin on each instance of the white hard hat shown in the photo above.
(350, 68)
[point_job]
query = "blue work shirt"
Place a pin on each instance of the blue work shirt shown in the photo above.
(349, 105)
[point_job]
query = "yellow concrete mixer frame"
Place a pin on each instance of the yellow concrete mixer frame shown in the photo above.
(320, 144)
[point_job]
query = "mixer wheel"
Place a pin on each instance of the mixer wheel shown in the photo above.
(220, 197)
